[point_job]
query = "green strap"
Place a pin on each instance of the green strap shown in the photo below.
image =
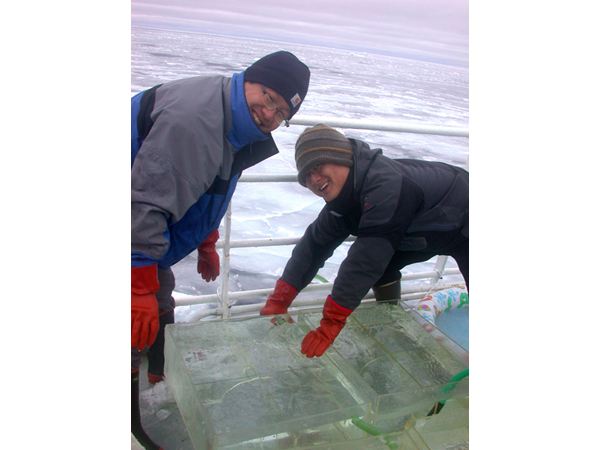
(372, 431)
(453, 381)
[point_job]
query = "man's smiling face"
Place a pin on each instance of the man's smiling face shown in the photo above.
(261, 114)
(327, 180)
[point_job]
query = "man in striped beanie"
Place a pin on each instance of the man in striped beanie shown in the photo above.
(401, 211)
(323, 149)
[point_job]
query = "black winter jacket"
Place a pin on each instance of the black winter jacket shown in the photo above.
(389, 205)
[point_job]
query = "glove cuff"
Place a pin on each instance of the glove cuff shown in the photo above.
(285, 292)
(209, 243)
(335, 307)
(144, 280)
(334, 313)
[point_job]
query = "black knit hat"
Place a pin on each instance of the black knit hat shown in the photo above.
(319, 145)
(285, 74)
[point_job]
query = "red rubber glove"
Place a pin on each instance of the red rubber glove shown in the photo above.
(279, 301)
(334, 318)
(208, 258)
(144, 307)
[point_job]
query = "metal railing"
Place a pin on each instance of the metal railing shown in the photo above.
(223, 296)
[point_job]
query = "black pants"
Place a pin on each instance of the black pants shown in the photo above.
(402, 259)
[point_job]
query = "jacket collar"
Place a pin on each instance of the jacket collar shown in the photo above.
(364, 157)
(348, 200)
(243, 129)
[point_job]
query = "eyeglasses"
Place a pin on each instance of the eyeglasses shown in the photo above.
(270, 103)
(315, 170)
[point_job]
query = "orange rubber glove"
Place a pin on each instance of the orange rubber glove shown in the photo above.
(334, 318)
(279, 301)
(208, 258)
(144, 307)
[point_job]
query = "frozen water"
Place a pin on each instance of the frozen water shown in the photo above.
(264, 386)
(162, 414)
(254, 380)
(447, 432)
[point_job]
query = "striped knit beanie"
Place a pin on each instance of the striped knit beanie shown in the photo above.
(319, 145)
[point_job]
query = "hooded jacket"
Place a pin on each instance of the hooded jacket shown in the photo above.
(190, 141)
(390, 206)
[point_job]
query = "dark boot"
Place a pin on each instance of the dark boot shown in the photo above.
(136, 420)
(156, 353)
(388, 293)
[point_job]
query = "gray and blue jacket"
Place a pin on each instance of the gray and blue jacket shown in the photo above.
(190, 141)
(390, 205)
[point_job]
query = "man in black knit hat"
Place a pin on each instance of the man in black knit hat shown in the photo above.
(402, 211)
(190, 141)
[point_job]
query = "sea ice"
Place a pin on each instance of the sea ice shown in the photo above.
(242, 381)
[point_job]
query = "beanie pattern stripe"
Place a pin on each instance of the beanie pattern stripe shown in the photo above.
(334, 149)
(321, 145)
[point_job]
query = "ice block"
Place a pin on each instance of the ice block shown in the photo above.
(438, 432)
(243, 384)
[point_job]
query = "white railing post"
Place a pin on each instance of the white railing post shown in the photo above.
(224, 289)
(440, 264)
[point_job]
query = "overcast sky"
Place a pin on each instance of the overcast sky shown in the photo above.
(428, 30)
